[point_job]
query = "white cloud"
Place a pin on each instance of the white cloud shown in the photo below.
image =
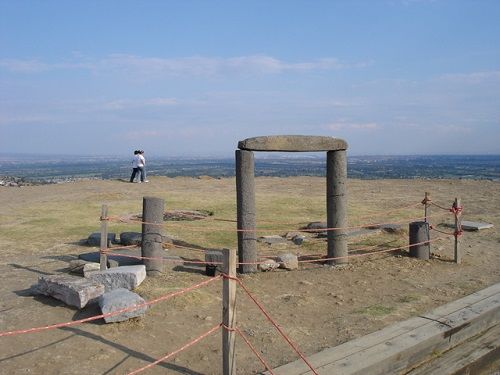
(472, 78)
(341, 125)
(197, 65)
(121, 104)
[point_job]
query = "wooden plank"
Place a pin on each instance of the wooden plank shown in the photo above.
(402, 345)
(465, 357)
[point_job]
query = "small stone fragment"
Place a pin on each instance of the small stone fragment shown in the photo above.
(299, 239)
(270, 240)
(268, 265)
(288, 261)
(119, 299)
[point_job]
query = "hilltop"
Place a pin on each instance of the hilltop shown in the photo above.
(42, 228)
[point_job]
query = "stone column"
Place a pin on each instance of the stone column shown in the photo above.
(152, 229)
(245, 199)
(336, 205)
(419, 232)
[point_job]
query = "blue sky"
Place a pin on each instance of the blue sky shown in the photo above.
(181, 78)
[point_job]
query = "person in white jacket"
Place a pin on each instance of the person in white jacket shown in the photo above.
(138, 165)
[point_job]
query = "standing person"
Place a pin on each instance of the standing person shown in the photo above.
(138, 164)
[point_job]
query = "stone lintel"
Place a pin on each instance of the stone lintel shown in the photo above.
(293, 143)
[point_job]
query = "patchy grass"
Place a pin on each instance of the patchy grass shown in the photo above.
(376, 310)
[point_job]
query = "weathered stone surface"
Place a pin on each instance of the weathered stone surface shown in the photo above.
(316, 225)
(128, 277)
(90, 268)
(268, 265)
(270, 240)
(290, 235)
(120, 299)
(74, 291)
(474, 226)
(288, 261)
(130, 238)
(95, 239)
(293, 143)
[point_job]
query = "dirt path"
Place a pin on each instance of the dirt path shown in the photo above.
(319, 307)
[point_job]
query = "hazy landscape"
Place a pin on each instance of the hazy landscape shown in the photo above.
(57, 168)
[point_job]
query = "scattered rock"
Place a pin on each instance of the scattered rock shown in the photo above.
(316, 225)
(299, 239)
(216, 258)
(475, 226)
(271, 240)
(290, 235)
(392, 228)
(268, 265)
(74, 291)
(288, 261)
(95, 239)
(128, 277)
(119, 299)
(130, 238)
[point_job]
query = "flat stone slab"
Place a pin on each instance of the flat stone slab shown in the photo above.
(400, 347)
(119, 299)
(475, 225)
(128, 277)
(293, 143)
(74, 291)
(273, 239)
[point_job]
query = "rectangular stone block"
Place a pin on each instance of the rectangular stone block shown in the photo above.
(74, 291)
(128, 277)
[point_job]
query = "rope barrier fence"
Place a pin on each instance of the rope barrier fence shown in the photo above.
(456, 210)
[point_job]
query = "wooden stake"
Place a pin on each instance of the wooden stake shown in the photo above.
(458, 228)
(229, 312)
(103, 258)
(427, 208)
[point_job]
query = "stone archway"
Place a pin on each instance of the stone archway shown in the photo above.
(336, 191)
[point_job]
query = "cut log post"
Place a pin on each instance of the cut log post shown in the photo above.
(427, 206)
(419, 240)
(245, 199)
(152, 217)
(229, 312)
(103, 258)
(336, 205)
(458, 229)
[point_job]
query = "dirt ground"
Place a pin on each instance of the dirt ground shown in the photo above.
(42, 227)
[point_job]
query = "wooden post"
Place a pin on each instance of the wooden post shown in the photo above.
(229, 312)
(427, 208)
(103, 258)
(458, 229)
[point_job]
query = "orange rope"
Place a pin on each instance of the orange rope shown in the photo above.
(175, 352)
(278, 328)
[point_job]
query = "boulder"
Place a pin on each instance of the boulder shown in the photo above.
(268, 265)
(74, 291)
(95, 239)
(119, 299)
(288, 261)
(128, 277)
(130, 238)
